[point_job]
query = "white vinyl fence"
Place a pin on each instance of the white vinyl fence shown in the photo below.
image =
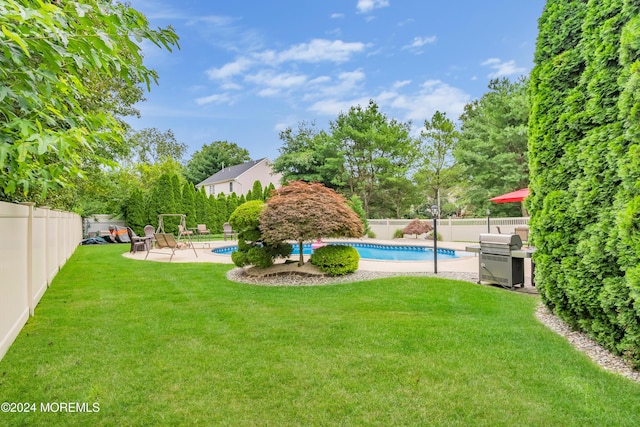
(452, 229)
(36, 242)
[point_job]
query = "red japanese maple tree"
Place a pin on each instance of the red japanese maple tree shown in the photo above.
(416, 227)
(303, 211)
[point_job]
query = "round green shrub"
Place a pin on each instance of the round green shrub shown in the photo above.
(336, 260)
(251, 249)
(398, 234)
(240, 259)
(246, 217)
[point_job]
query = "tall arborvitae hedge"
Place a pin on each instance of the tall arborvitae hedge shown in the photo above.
(585, 167)
(167, 197)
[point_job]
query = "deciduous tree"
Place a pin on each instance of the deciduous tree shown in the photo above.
(213, 157)
(438, 139)
(416, 226)
(151, 146)
(309, 155)
(52, 55)
(302, 212)
(374, 149)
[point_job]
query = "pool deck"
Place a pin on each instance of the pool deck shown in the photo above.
(464, 264)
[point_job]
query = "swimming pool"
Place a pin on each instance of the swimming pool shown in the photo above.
(375, 251)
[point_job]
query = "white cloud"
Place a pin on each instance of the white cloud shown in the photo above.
(366, 6)
(230, 86)
(222, 98)
(346, 84)
(332, 107)
(418, 42)
(433, 96)
(319, 50)
(401, 83)
(287, 122)
(269, 92)
(352, 76)
(220, 21)
(502, 69)
(337, 15)
(230, 69)
(273, 80)
(320, 80)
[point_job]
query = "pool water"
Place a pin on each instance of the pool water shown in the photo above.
(376, 252)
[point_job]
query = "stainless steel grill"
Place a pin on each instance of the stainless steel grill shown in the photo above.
(497, 262)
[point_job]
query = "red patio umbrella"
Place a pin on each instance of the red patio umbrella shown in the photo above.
(514, 196)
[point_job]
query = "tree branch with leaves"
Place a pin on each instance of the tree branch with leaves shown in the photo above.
(50, 55)
(303, 212)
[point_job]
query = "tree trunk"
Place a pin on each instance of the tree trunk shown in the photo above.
(301, 261)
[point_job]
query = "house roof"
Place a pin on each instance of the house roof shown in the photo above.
(230, 173)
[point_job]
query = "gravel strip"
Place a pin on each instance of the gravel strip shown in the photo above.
(238, 275)
(579, 340)
(583, 343)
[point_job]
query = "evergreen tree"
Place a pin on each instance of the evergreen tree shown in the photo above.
(232, 204)
(135, 213)
(162, 202)
(202, 207)
(584, 185)
(373, 148)
(189, 204)
(257, 190)
(491, 152)
(268, 190)
(213, 216)
(223, 213)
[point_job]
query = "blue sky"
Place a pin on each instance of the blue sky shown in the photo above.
(248, 69)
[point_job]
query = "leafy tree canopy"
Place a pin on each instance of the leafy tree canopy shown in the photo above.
(300, 211)
(53, 53)
(492, 146)
(212, 158)
(416, 226)
(374, 149)
(438, 173)
(151, 146)
(304, 156)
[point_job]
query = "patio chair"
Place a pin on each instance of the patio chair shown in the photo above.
(523, 232)
(228, 231)
(183, 231)
(149, 231)
(137, 242)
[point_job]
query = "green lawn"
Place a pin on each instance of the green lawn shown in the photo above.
(178, 344)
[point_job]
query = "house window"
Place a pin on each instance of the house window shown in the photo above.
(231, 187)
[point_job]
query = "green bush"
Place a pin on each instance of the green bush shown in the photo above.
(398, 234)
(336, 260)
(371, 234)
(246, 217)
(251, 249)
(239, 258)
(430, 236)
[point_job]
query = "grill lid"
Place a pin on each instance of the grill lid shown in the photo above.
(512, 240)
